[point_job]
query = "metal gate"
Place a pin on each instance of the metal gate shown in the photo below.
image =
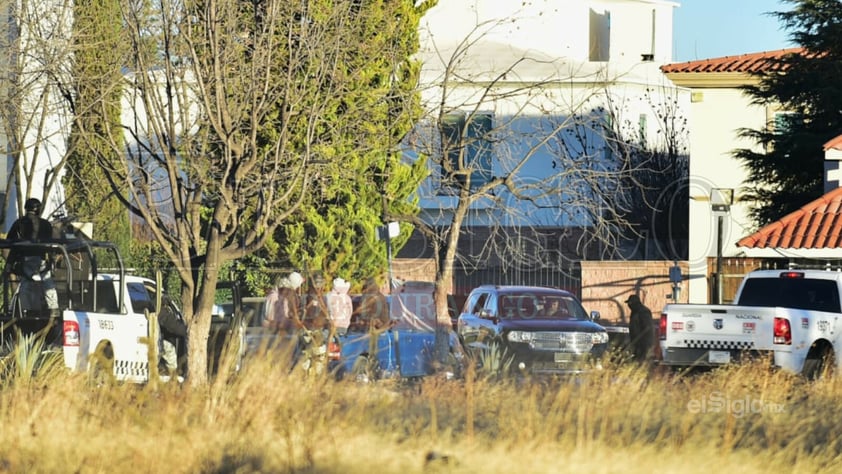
(569, 279)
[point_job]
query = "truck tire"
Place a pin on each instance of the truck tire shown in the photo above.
(820, 363)
(101, 364)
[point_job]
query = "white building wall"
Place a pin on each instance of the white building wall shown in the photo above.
(557, 28)
(549, 43)
(36, 56)
(717, 114)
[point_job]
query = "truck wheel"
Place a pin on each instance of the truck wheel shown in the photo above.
(101, 364)
(819, 364)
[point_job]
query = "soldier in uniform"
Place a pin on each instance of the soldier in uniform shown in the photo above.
(173, 331)
(37, 286)
(641, 329)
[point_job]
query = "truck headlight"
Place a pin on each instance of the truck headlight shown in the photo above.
(520, 336)
(599, 337)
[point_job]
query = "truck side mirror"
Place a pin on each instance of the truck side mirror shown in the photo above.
(486, 314)
(595, 316)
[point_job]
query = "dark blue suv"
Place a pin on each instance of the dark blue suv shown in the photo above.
(529, 329)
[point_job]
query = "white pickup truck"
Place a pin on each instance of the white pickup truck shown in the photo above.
(790, 317)
(103, 324)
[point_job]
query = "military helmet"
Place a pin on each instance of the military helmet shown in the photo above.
(32, 205)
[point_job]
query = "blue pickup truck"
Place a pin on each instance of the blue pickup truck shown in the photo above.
(407, 349)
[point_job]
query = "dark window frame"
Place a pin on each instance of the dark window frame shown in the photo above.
(466, 144)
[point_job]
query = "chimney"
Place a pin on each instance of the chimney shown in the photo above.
(832, 161)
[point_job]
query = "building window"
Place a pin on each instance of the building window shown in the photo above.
(783, 121)
(641, 129)
(466, 149)
(599, 36)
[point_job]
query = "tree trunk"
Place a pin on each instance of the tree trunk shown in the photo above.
(200, 303)
(444, 281)
(197, 350)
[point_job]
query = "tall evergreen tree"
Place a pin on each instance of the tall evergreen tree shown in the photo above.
(363, 180)
(788, 172)
(99, 55)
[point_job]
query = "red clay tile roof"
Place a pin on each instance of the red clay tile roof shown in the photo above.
(752, 62)
(835, 143)
(816, 225)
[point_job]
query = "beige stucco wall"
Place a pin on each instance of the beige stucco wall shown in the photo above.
(607, 284)
(716, 115)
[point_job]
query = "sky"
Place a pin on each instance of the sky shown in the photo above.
(705, 29)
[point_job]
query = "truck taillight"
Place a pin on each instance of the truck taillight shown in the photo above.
(71, 333)
(662, 327)
(782, 332)
(792, 275)
(334, 352)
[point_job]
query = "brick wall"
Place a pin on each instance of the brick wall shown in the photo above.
(607, 284)
(416, 269)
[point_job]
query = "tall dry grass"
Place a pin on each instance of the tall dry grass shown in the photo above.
(622, 419)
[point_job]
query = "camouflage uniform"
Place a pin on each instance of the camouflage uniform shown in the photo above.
(317, 331)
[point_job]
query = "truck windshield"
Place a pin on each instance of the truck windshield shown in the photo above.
(797, 293)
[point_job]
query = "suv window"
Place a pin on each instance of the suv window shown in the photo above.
(540, 306)
(476, 303)
(516, 306)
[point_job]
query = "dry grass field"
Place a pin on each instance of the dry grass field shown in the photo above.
(623, 419)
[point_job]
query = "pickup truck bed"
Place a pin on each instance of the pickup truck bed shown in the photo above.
(701, 335)
(791, 317)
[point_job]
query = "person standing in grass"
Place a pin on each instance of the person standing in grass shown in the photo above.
(281, 313)
(340, 306)
(173, 330)
(641, 329)
(282, 305)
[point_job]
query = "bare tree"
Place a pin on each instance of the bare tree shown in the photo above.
(35, 117)
(99, 51)
(230, 112)
(515, 149)
(657, 187)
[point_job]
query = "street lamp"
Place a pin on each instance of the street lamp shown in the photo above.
(720, 204)
(388, 232)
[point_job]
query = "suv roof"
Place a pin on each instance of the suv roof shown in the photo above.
(522, 289)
